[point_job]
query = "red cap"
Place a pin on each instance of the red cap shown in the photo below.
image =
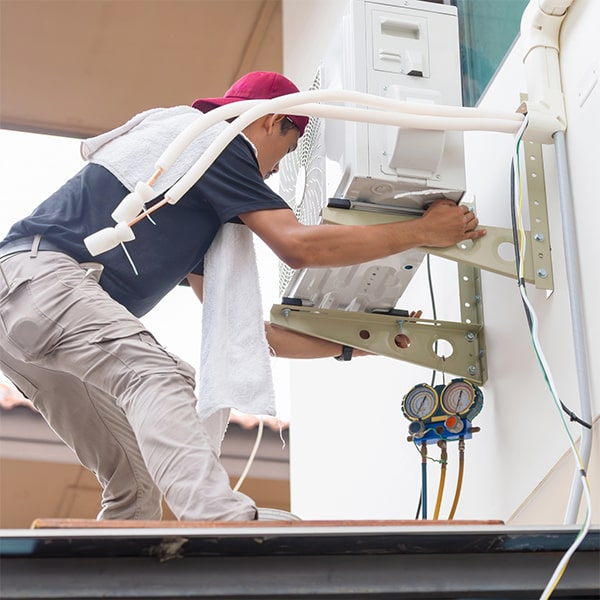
(258, 85)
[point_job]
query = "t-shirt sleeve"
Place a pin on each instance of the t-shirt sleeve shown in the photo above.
(233, 186)
(236, 186)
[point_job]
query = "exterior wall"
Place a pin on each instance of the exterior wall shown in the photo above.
(349, 454)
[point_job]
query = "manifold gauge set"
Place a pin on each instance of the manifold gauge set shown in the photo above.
(442, 412)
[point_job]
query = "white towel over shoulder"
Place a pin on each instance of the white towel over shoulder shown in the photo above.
(130, 151)
(235, 363)
(235, 370)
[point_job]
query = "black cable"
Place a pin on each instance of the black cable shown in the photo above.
(433, 310)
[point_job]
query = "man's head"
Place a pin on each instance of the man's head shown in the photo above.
(258, 85)
(273, 135)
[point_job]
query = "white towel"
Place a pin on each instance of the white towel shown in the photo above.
(235, 370)
(235, 363)
(130, 152)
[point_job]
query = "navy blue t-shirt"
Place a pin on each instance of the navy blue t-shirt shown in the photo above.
(165, 253)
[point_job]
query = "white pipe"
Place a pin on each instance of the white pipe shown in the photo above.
(540, 29)
(540, 32)
(202, 123)
(293, 102)
(577, 319)
(412, 121)
(499, 120)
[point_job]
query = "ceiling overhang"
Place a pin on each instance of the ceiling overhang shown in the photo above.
(80, 67)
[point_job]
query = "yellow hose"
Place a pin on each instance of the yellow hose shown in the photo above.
(461, 469)
(444, 460)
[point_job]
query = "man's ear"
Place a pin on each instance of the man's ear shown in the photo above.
(272, 122)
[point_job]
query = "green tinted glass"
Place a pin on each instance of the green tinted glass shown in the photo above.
(488, 29)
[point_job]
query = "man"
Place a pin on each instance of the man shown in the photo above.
(70, 338)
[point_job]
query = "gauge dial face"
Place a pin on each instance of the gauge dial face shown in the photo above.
(458, 397)
(420, 403)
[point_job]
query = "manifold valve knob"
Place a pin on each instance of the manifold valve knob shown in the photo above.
(108, 238)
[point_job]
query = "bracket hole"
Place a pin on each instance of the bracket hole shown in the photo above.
(443, 348)
(364, 334)
(506, 251)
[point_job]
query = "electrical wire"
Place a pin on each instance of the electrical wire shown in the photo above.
(520, 246)
(252, 456)
(433, 309)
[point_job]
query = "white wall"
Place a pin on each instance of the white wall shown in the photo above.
(349, 454)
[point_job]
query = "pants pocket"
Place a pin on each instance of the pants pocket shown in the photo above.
(26, 331)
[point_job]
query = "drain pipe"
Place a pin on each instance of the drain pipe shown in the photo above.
(540, 29)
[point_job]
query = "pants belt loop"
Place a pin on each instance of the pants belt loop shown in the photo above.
(37, 238)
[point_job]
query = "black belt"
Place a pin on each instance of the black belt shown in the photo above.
(26, 244)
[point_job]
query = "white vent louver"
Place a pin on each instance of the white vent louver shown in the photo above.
(301, 179)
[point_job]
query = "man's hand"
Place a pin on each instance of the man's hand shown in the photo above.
(445, 224)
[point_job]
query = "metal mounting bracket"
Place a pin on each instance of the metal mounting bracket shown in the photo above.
(484, 253)
(462, 342)
(495, 251)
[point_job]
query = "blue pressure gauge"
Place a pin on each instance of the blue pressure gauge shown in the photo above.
(420, 403)
(443, 412)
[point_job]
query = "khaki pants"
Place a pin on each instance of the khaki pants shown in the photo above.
(122, 402)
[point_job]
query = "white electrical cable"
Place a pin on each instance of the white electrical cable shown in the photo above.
(252, 456)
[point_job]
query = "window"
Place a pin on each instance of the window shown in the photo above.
(488, 29)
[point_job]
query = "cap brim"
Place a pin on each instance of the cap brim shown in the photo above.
(208, 104)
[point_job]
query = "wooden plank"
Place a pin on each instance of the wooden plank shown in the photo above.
(42, 523)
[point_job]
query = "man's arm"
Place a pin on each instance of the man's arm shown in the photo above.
(300, 246)
(286, 343)
(197, 284)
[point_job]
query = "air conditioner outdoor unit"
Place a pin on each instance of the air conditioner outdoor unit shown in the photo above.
(404, 50)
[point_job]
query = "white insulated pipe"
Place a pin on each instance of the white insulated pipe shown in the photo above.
(384, 111)
(436, 117)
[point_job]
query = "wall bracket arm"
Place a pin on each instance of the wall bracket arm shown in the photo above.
(376, 333)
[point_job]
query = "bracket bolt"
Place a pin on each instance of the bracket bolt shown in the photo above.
(286, 312)
(472, 370)
(539, 237)
(542, 273)
(470, 336)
